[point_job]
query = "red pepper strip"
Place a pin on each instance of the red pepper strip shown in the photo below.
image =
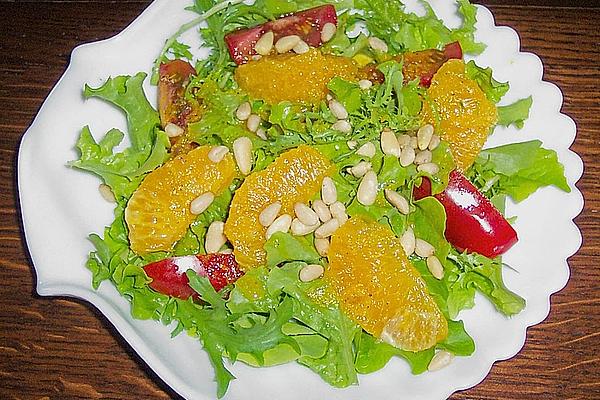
(307, 24)
(168, 275)
(473, 223)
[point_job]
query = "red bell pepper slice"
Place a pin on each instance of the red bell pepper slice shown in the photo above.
(168, 275)
(307, 24)
(473, 223)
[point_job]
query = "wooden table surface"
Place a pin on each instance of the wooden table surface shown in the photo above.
(54, 348)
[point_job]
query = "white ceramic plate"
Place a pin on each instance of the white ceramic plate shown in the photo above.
(61, 206)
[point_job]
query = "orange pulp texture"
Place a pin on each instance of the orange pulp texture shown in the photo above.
(297, 78)
(158, 213)
(460, 111)
(295, 176)
(378, 287)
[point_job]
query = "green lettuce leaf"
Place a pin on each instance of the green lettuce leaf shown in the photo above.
(283, 247)
(493, 89)
(515, 113)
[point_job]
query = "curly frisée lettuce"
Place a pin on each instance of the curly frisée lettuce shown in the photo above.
(270, 316)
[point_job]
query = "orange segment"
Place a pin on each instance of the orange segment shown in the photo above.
(460, 111)
(378, 287)
(158, 213)
(295, 176)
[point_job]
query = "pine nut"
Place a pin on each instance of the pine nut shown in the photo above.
(305, 214)
(287, 43)
(327, 229)
(423, 157)
(281, 224)
(301, 47)
(260, 132)
(268, 215)
(338, 211)
(256, 57)
(173, 130)
(107, 193)
(398, 201)
(243, 111)
(414, 142)
(365, 84)
(367, 150)
(337, 109)
(264, 45)
(408, 241)
(201, 203)
(430, 168)
(423, 249)
(389, 143)
(217, 153)
(328, 191)
(329, 97)
(378, 45)
(360, 169)
(253, 122)
(242, 151)
(435, 267)
(322, 210)
(424, 135)
(328, 32)
(367, 189)
(311, 272)
(440, 360)
(404, 140)
(434, 143)
(342, 126)
(322, 246)
(300, 229)
(407, 156)
(352, 144)
(215, 238)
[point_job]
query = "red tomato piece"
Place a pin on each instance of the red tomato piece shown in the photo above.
(174, 78)
(168, 275)
(307, 24)
(424, 64)
(473, 223)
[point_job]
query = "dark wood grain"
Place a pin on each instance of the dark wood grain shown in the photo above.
(63, 349)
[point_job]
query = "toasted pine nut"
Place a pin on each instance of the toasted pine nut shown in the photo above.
(281, 224)
(434, 143)
(440, 360)
(260, 132)
(338, 211)
(327, 229)
(328, 191)
(215, 238)
(268, 215)
(287, 43)
(107, 193)
(404, 140)
(322, 210)
(423, 157)
(367, 189)
(352, 144)
(435, 267)
(378, 45)
(305, 214)
(389, 143)
(342, 126)
(423, 249)
(397, 200)
(367, 150)
(365, 84)
(337, 109)
(264, 45)
(430, 168)
(322, 246)
(217, 153)
(360, 169)
(414, 142)
(242, 151)
(300, 229)
(407, 240)
(243, 111)
(424, 135)
(173, 130)
(253, 122)
(201, 203)
(311, 272)
(407, 156)
(328, 32)
(301, 47)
